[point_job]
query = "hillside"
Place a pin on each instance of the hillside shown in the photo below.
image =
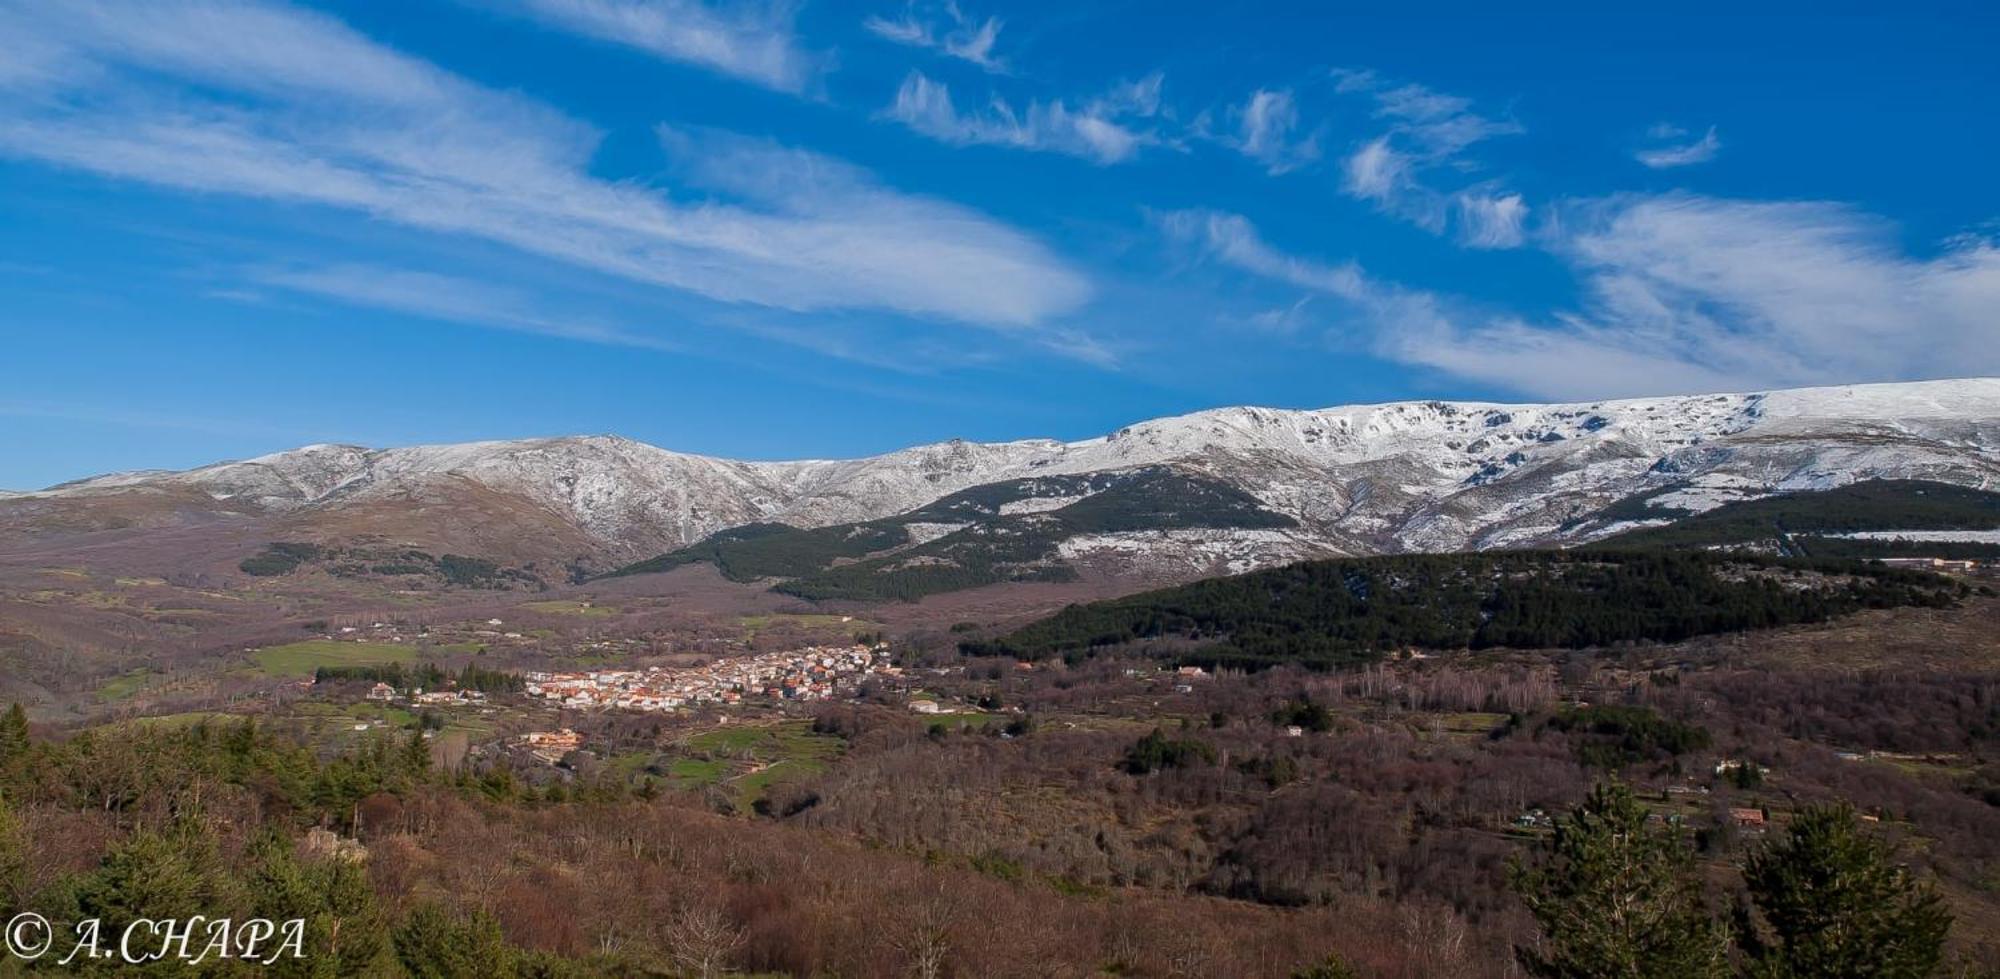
(1342, 612)
(988, 534)
(1882, 518)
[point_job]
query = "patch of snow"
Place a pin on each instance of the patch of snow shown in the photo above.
(1701, 499)
(924, 533)
(1927, 536)
(1192, 550)
(1037, 504)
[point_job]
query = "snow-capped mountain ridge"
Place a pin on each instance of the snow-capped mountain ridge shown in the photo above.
(1422, 475)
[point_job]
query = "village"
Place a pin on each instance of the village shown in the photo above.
(810, 673)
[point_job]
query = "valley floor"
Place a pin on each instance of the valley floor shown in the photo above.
(1106, 815)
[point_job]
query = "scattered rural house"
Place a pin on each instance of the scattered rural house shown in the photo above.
(1931, 563)
(1534, 819)
(1192, 672)
(1748, 817)
(1294, 731)
(924, 706)
(550, 746)
(381, 691)
(446, 698)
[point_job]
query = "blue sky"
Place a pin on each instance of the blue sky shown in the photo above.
(780, 230)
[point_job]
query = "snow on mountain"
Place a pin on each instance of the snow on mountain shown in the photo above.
(1426, 475)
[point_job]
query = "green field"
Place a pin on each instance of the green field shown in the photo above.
(300, 659)
(188, 719)
(961, 721)
(753, 624)
(752, 787)
(1473, 724)
(697, 771)
(124, 685)
(334, 723)
(727, 740)
(762, 754)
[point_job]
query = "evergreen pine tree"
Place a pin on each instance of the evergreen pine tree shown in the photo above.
(417, 755)
(172, 874)
(1618, 898)
(434, 944)
(13, 735)
(345, 932)
(1838, 905)
(12, 861)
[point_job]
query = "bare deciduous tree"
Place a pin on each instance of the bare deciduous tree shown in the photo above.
(700, 939)
(927, 926)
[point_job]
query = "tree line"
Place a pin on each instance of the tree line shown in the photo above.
(428, 676)
(1343, 612)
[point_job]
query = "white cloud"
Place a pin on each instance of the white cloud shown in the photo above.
(1679, 154)
(1556, 364)
(944, 28)
(1491, 220)
(1376, 171)
(1233, 240)
(1792, 291)
(1267, 122)
(1427, 133)
(267, 101)
(443, 297)
(754, 42)
(904, 30)
(1680, 294)
(1104, 129)
(1281, 319)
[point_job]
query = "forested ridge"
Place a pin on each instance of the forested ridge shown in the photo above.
(1338, 612)
(1808, 523)
(881, 559)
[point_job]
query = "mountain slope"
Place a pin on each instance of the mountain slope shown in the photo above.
(999, 532)
(1879, 518)
(1413, 476)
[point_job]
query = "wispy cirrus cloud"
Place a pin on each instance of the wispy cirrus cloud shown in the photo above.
(1108, 128)
(267, 101)
(1789, 291)
(1234, 241)
(1680, 294)
(1676, 150)
(1267, 131)
(1491, 220)
(755, 42)
(943, 28)
(450, 298)
(1425, 134)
